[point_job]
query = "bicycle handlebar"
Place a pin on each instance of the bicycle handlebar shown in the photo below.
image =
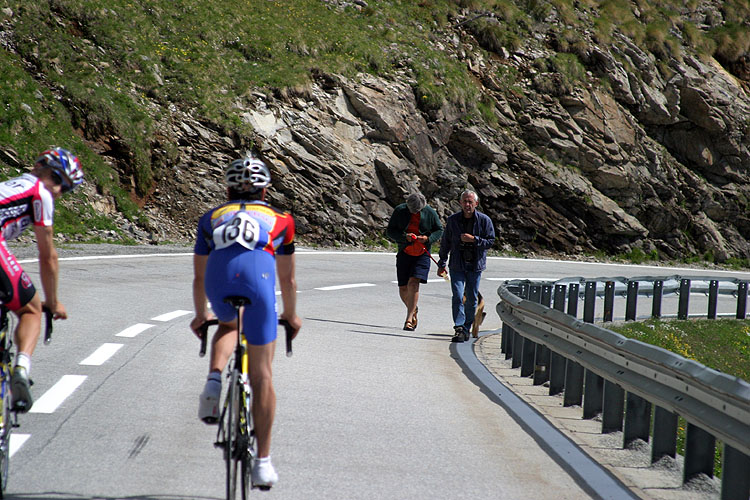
(204, 334)
(48, 316)
(289, 332)
(203, 329)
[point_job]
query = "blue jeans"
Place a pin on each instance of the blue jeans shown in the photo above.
(464, 283)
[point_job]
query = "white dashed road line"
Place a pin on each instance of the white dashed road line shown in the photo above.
(341, 287)
(171, 316)
(16, 441)
(101, 355)
(134, 330)
(56, 394)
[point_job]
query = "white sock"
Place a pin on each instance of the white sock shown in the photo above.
(264, 460)
(24, 360)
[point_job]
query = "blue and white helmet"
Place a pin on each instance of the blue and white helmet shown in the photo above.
(248, 174)
(65, 165)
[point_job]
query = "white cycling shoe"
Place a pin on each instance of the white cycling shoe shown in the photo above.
(264, 475)
(208, 405)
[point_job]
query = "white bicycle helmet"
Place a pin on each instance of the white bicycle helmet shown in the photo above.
(65, 166)
(247, 174)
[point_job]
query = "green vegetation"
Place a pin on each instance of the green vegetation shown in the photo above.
(91, 75)
(721, 344)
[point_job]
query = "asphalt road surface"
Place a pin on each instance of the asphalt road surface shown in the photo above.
(365, 409)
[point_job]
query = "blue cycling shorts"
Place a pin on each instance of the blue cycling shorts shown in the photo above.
(238, 271)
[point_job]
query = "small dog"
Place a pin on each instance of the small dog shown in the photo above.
(479, 315)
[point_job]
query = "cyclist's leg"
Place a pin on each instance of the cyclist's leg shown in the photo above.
(29, 325)
(260, 359)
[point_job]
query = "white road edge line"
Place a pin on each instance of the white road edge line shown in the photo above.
(171, 315)
(16, 441)
(101, 355)
(134, 330)
(341, 287)
(56, 394)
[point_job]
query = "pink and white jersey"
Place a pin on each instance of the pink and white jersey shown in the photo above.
(24, 201)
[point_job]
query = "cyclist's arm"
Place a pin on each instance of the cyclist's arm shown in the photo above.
(49, 269)
(200, 300)
(285, 271)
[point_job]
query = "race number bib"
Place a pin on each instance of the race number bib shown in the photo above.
(241, 228)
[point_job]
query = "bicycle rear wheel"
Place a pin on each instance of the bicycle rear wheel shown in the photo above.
(231, 437)
(248, 448)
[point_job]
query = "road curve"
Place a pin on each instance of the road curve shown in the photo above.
(365, 409)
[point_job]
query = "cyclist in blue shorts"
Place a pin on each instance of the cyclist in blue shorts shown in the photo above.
(240, 248)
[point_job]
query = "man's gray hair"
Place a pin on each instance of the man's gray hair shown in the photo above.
(470, 192)
(416, 202)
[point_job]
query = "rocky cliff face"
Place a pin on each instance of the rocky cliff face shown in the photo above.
(650, 163)
(638, 153)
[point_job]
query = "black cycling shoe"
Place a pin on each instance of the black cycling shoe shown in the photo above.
(20, 390)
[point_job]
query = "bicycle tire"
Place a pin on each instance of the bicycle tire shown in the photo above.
(231, 452)
(6, 426)
(248, 447)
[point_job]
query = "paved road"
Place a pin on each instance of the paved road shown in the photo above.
(365, 409)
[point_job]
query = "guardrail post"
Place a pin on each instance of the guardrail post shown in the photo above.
(665, 434)
(528, 347)
(682, 308)
(542, 352)
(557, 361)
(507, 341)
(517, 349)
(656, 304)
(742, 300)
(637, 419)
(573, 291)
(735, 480)
(609, 301)
(589, 302)
(523, 292)
(573, 371)
(699, 453)
(713, 295)
(573, 384)
(632, 301)
(614, 407)
(593, 389)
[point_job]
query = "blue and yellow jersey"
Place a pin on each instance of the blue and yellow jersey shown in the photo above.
(256, 225)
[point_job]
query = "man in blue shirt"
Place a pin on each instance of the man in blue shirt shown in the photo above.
(467, 237)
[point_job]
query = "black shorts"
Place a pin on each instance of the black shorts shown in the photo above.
(16, 289)
(408, 266)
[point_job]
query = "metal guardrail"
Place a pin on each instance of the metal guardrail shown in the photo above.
(622, 379)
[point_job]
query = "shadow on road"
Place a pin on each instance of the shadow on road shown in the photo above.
(426, 336)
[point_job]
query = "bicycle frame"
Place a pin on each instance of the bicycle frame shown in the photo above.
(236, 435)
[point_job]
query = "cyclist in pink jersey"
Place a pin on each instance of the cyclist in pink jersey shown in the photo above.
(29, 200)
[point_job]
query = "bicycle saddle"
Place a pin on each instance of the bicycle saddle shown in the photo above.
(237, 300)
